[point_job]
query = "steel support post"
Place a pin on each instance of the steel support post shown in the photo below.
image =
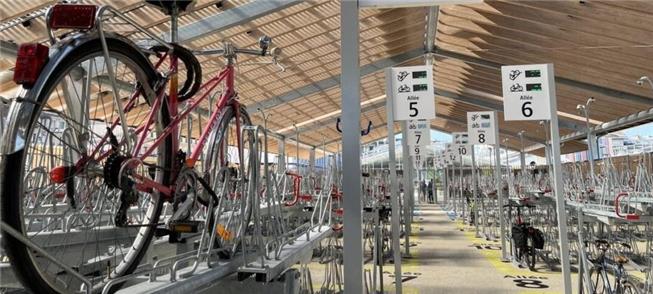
(311, 160)
(522, 155)
(558, 188)
(351, 136)
(475, 192)
(394, 188)
(408, 185)
(433, 177)
(445, 186)
(281, 157)
(499, 185)
(547, 154)
(462, 193)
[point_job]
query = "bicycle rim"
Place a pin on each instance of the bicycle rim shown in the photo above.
(75, 221)
(629, 287)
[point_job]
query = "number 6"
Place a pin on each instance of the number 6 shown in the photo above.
(527, 111)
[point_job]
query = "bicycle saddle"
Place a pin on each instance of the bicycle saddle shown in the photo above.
(621, 259)
(167, 6)
(602, 244)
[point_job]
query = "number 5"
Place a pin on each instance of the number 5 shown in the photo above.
(413, 110)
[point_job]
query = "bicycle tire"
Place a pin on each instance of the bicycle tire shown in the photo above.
(628, 287)
(60, 64)
(215, 162)
(597, 280)
(531, 257)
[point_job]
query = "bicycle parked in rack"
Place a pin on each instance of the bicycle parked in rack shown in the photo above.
(609, 277)
(525, 239)
(117, 163)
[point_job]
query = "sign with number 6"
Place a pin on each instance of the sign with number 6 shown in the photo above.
(527, 91)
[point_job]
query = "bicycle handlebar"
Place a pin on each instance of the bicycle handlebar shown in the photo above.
(222, 51)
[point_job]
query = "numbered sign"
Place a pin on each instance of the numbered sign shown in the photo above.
(460, 138)
(418, 161)
(451, 154)
(411, 91)
(527, 91)
(418, 136)
(481, 127)
(462, 149)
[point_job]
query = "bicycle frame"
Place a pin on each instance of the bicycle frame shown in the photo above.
(227, 99)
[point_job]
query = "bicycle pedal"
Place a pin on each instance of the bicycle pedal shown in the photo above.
(185, 226)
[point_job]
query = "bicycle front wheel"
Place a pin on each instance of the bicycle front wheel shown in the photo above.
(628, 287)
(599, 281)
(59, 190)
(230, 169)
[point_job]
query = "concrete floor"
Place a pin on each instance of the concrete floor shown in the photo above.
(446, 259)
(449, 261)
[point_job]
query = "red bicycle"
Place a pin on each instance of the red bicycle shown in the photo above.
(98, 121)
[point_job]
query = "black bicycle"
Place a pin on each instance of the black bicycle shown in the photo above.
(526, 239)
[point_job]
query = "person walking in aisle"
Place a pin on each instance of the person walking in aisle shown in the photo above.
(430, 191)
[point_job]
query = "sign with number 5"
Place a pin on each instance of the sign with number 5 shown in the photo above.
(527, 91)
(411, 91)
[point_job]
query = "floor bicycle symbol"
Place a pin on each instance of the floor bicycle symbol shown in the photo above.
(403, 89)
(516, 88)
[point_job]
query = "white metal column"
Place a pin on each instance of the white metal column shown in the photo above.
(408, 184)
(351, 169)
(558, 188)
(311, 160)
(394, 189)
(281, 156)
(499, 185)
(475, 195)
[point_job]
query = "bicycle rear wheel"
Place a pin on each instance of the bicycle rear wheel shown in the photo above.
(99, 231)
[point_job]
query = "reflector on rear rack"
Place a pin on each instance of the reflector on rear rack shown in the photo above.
(67, 16)
(30, 59)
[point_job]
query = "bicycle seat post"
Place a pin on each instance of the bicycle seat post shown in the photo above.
(174, 24)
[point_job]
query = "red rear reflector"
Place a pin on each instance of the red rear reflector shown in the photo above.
(30, 60)
(59, 174)
(66, 16)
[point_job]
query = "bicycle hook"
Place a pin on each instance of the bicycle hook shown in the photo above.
(363, 132)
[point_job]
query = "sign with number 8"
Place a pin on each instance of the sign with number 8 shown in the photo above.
(481, 127)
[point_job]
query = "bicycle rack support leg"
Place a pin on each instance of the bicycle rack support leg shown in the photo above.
(11, 231)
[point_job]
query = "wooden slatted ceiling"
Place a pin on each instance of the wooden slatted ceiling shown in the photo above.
(588, 43)
(542, 31)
